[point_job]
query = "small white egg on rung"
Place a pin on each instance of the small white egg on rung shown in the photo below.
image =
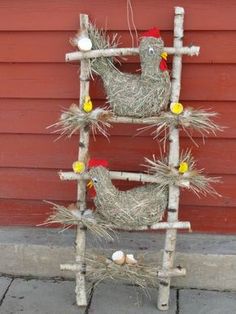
(130, 260)
(118, 257)
(84, 44)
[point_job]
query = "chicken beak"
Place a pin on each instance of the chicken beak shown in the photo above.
(164, 55)
(90, 184)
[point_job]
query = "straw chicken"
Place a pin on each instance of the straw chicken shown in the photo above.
(140, 206)
(135, 95)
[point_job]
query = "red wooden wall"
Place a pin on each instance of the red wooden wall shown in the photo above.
(36, 83)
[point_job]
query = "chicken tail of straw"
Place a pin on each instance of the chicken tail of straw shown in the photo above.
(103, 65)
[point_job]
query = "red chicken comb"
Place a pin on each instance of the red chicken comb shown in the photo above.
(97, 162)
(153, 32)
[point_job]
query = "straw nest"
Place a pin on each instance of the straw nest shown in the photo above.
(193, 179)
(69, 216)
(143, 274)
(118, 212)
(73, 119)
(189, 120)
(131, 209)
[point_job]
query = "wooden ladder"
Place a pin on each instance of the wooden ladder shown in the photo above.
(172, 223)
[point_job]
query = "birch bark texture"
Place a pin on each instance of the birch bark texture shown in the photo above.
(176, 272)
(80, 289)
(174, 191)
(78, 55)
(115, 175)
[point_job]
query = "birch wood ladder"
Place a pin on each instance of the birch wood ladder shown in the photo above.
(172, 223)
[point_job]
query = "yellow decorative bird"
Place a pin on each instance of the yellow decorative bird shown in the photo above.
(183, 167)
(78, 166)
(176, 108)
(87, 105)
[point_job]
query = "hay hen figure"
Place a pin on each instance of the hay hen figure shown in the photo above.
(140, 206)
(135, 95)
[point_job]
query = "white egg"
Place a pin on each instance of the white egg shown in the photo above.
(130, 259)
(84, 44)
(118, 257)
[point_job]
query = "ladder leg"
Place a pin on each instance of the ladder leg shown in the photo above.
(80, 289)
(168, 261)
(173, 204)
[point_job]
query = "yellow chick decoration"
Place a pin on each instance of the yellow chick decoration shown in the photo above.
(78, 166)
(88, 105)
(176, 108)
(183, 167)
(164, 55)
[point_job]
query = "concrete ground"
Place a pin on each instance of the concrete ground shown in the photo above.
(28, 253)
(41, 296)
(210, 260)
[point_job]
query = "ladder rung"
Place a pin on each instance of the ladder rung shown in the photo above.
(165, 225)
(174, 272)
(115, 175)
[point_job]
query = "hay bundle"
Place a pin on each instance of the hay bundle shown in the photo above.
(137, 207)
(133, 95)
(69, 216)
(190, 119)
(192, 178)
(72, 120)
(142, 274)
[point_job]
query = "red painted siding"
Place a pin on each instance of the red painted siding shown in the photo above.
(35, 84)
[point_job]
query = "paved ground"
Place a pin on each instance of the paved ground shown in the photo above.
(37, 296)
(210, 260)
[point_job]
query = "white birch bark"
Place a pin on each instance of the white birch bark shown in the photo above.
(80, 289)
(115, 175)
(173, 203)
(112, 52)
(175, 272)
(166, 225)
